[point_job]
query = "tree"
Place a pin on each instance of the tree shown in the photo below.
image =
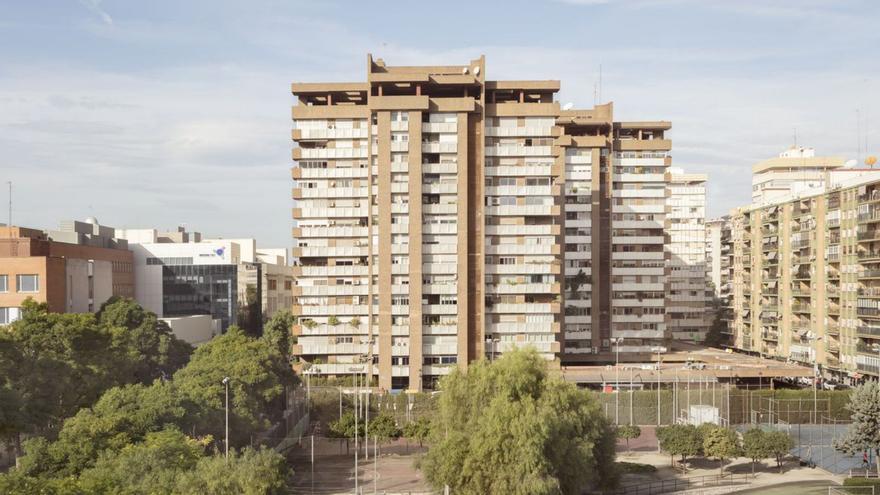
(864, 432)
(628, 432)
(779, 445)
(151, 466)
(417, 430)
(250, 472)
(512, 426)
(260, 377)
(682, 440)
(755, 446)
(347, 427)
(153, 350)
(52, 365)
(721, 443)
(277, 330)
(103, 448)
(383, 427)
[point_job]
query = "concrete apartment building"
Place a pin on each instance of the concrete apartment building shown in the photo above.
(73, 269)
(805, 277)
(441, 217)
(689, 295)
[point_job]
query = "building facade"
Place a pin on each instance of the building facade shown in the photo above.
(441, 217)
(689, 295)
(73, 270)
(804, 277)
(796, 171)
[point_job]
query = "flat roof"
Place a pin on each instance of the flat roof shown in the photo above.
(719, 364)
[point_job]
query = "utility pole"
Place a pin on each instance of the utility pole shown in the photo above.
(226, 385)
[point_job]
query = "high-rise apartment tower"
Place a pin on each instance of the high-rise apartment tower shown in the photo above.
(441, 217)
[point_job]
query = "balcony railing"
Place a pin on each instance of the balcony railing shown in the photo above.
(869, 330)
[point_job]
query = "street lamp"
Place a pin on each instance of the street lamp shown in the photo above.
(226, 385)
(659, 362)
(355, 371)
(493, 346)
(616, 342)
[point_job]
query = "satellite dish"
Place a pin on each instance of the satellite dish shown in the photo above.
(464, 70)
(850, 164)
(568, 106)
(476, 70)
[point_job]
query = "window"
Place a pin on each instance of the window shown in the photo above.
(8, 315)
(273, 285)
(4, 283)
(28, 283)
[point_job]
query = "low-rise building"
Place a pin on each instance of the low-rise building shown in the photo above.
(73, 269)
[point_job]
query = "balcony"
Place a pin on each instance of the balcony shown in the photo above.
(518, 150)
(871, 331)
(435, 147)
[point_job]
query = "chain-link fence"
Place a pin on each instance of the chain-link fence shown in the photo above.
(733, 406)
(332, 465)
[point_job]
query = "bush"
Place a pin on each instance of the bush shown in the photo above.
(635, 467)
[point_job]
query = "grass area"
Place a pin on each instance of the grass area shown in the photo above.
(796, 488)
(635, 467)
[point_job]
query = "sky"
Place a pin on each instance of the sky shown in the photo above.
(167, 113)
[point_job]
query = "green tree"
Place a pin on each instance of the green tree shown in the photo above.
(779, 445)
(418, 430)
(151, 466)
(755, 446)
(152, 349)
(52, 365)
(681, 440)
(628, 432)
(864, 432)
(721, 443)
(260, 378)
(512, 426)
(383, 428)
(277, 330)
(346, 427)
(251, 472)
(123, 416)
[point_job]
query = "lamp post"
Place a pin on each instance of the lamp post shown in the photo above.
(355, 371)
(493, 346)
(226, 385)
(616, 342)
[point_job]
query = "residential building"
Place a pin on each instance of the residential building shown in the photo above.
(74, 269)
(717, 252)
(441, 217)
(689, 296)
(804, 278)
(795, 171)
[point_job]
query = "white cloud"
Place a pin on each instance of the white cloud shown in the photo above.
(95, 7)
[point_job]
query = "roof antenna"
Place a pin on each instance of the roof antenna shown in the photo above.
(10, 208)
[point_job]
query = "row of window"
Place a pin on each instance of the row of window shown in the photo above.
(23, 283)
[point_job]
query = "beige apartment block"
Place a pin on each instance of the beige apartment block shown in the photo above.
(441, 217)
(805, 277)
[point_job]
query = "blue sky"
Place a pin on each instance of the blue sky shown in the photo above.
(162, 113)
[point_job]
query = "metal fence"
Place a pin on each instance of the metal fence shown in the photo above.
(737, 481)
(814, 444)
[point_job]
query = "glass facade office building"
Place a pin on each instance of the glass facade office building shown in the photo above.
(201, 290)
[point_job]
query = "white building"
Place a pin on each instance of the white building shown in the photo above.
(796, 171)
(687, 296)
(229, 280)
